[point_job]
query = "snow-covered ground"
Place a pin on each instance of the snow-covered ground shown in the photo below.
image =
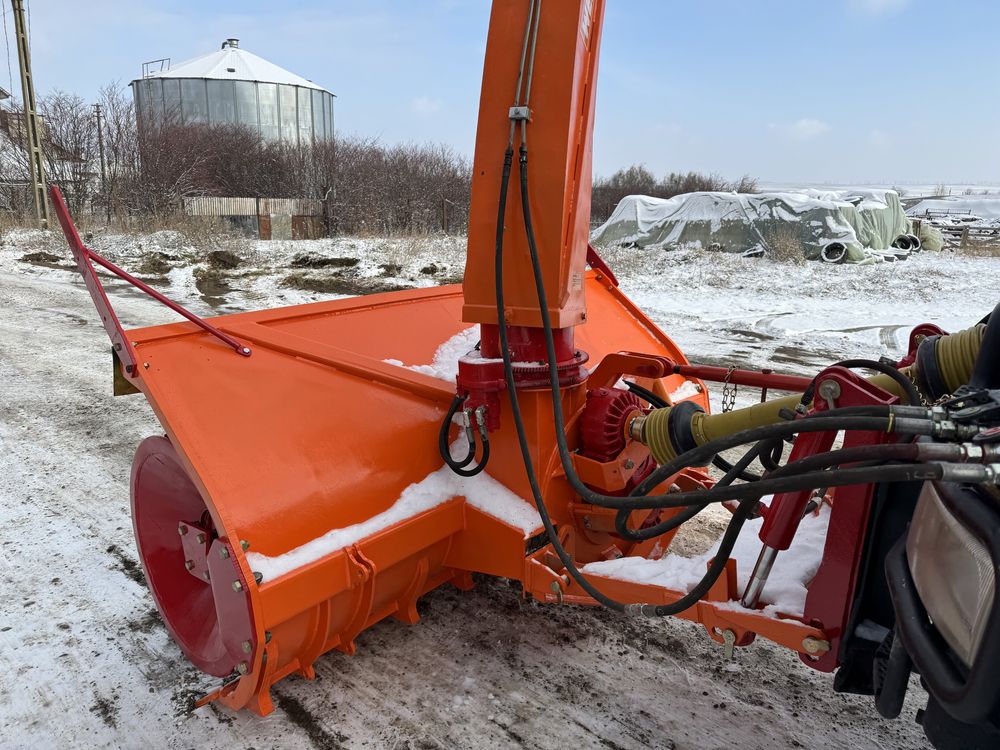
(87, 662)
(974, 210)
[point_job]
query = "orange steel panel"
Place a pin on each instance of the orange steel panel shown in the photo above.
(560, 147)
(306, 431)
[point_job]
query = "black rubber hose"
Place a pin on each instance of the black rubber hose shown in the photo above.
(479, 467)
(567, 561)
(795, 482)
(647, 395)
(780, 430)
(873, 455)
(444, 434)
(724, 466)
(515, 407)
(715, 569)
(771, 453)
(459, 466)
(622, 517)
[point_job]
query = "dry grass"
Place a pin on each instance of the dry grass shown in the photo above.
(784, 244)
(979, 249)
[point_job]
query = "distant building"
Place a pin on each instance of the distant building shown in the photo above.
(234, 87)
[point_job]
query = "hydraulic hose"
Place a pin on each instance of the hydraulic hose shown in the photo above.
(804, 481)
(444, 433)
(522, 439)
(701, 453)
(637, 535)
(458, 466)
(872, 455)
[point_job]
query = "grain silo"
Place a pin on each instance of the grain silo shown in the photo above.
(232, 86)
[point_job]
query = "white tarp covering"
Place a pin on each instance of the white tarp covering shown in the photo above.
(864, 223)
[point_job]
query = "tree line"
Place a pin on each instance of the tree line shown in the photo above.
(123, 173)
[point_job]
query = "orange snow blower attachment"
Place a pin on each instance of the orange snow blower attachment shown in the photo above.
(298, 495)
(325, 465)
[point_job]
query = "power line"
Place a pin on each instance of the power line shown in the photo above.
(6, 40)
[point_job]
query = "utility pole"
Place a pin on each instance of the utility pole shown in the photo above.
(32, 131)
(100, 148)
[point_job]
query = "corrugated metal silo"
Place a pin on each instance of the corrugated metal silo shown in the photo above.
(232, 86)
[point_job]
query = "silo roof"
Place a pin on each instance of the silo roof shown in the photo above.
(234, 64)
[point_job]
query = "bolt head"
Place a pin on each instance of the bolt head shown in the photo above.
(246, 350)
(237, 586)
(182, 529)
(629, 463)
(257, 576)
(246, 647)
(224, 553)
(189, 564)
(829, 389)
(200, 538)
(242, 667)
(244, 544)
(207, 575)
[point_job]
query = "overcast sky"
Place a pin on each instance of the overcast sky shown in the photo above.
(829, 90)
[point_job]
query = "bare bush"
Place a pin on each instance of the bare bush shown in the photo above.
(69, 146)
(638, 180)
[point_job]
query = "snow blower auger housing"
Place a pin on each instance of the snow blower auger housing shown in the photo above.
(312, 481)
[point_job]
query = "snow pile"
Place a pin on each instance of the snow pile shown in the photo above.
(445, 364)
(786, 586)
(687, 389)
(481, 491)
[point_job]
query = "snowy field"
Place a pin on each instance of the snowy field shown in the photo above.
(905, 189)
(89, 664)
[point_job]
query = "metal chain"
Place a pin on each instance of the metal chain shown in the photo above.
(729, 391)
(924, 401)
